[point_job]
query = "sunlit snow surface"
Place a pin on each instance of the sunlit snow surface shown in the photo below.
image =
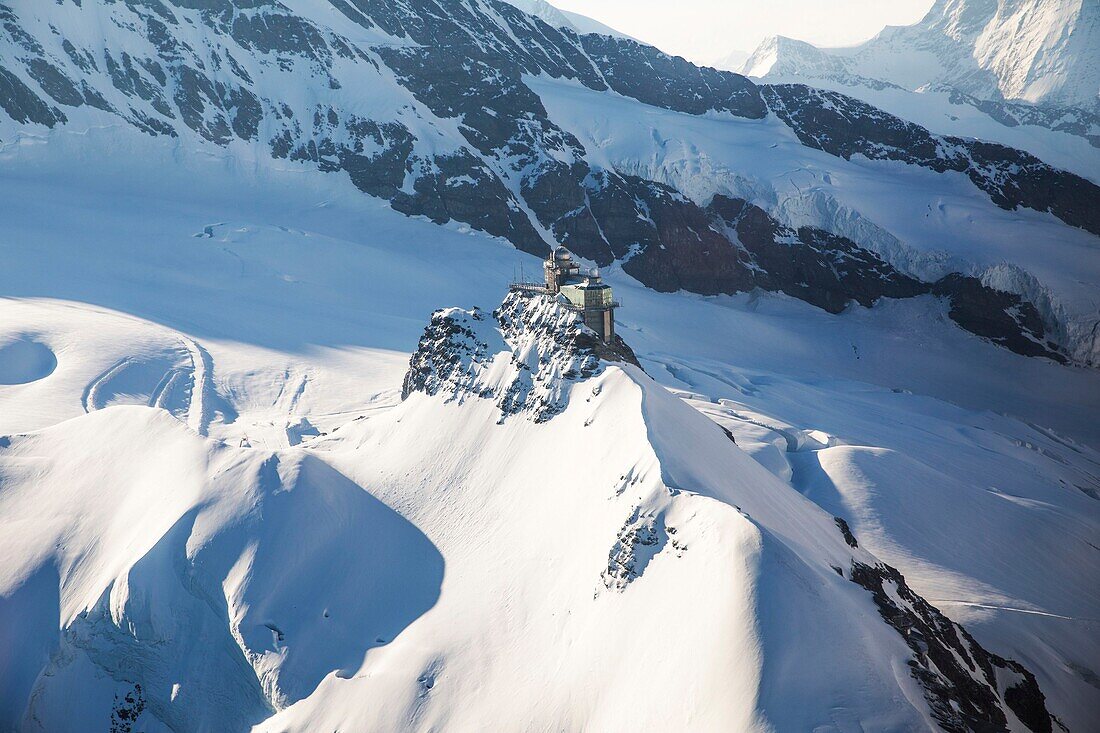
(284, 537)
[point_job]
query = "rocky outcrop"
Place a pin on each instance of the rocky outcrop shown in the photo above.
(967, 687)
(732, 246)
(1004, 318)
(1070, 120)
(525, 356)
(639, 540)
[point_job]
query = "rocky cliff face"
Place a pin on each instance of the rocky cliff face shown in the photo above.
(967, 687)
(845, 127)
(525, 356)
(424, 104)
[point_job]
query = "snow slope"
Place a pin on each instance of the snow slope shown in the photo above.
(233, 341)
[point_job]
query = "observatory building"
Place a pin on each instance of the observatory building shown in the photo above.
(580, 291)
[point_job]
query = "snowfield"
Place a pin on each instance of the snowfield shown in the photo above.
(216, 512)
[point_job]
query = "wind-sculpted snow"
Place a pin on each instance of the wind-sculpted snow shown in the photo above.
(208, 603)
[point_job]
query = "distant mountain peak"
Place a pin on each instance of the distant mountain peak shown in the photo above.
(580, 24)
(1037, 51)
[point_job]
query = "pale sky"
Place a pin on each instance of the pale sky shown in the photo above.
(705, 30)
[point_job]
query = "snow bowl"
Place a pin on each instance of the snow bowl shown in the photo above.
(24, 360)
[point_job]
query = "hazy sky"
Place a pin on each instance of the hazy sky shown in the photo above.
(705, 30)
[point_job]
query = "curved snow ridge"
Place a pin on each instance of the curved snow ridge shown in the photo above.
(179, 380)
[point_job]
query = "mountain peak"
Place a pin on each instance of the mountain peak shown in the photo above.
(1036, 51)
(525, 356)
(579, 24)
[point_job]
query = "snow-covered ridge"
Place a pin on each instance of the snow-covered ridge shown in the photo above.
(543, 355)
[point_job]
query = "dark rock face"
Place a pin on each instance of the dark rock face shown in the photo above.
(640, 539)
(846, 531)
(448, 350)
(811, 264)
(515, 173)
(732, 246)
(1001, 317)
(646, 74)
(967, 687)
(127, 710)
(23, 105)
(1070, 120)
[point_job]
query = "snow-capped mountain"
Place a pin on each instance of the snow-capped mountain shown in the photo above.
(1021, 72)
(558, 18)
(372, 580)
(836, 475)
(1037, 51)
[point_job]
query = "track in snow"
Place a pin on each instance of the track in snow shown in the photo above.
(177, 380)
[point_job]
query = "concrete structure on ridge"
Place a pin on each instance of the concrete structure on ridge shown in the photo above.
(581, 291)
